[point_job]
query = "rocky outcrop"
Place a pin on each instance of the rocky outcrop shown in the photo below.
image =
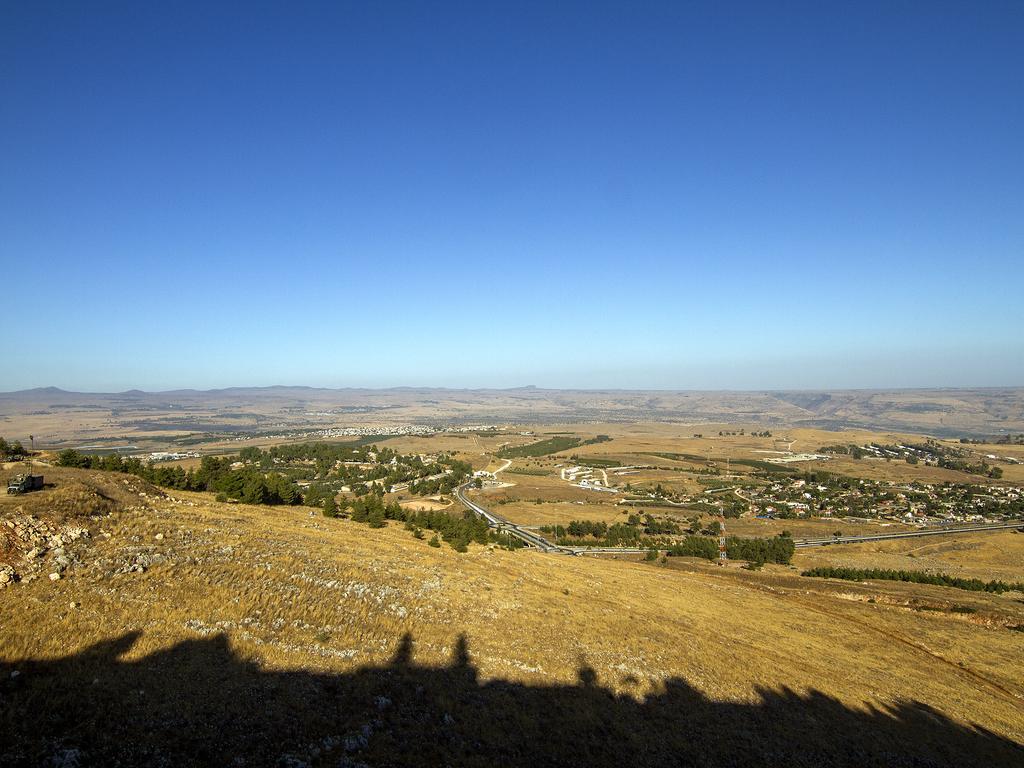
(32, 545)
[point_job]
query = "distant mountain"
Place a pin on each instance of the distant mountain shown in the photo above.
(39, 391)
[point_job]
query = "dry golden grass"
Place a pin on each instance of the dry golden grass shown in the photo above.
(649, 479)
(812, 528)
(452, 443)
(893, 471)
(425, 504)
(547, 488)
(292, 591)
(986, 556)
(638, 444)
(561, 513)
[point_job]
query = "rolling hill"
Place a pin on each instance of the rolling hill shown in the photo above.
(184, 631)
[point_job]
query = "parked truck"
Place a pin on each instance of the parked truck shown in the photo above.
(24, 483)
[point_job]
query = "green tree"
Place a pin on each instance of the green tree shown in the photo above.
(330, 507)
(254, 492)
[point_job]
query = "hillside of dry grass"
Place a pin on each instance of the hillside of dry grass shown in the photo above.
(186, 631)
(985, 556)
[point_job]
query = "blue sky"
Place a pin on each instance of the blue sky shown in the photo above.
(743, 196)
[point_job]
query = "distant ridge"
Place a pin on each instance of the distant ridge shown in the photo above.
(40, 391)
(810, 397)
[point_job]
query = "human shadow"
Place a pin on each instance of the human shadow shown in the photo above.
(198, 703)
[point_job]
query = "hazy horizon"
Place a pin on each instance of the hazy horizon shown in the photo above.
(509, 388)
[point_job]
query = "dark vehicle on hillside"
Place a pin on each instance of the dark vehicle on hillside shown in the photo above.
(24, 483)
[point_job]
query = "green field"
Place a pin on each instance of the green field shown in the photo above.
(540, 448)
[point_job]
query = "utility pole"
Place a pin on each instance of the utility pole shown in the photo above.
(722, 556)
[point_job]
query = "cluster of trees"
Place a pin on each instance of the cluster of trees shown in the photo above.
(580, 528)
(649, 531)
(695, 546)
(321, 495)
(635, 531)
(248, 484)
(915, 577)
(779, 549)
(655, 526)
(587, 532)
(931, 450)
(540, 448)
(853, 451)
(996, 440)
(458, 530)
(741, 432)
(975, 468)
(363, 468)
(12, 451)
(1009, 440)
(460, 472)
(758, 551)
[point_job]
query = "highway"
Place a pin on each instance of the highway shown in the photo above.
(501, 524)
(804, 543)
(539, 542)
(903, 535)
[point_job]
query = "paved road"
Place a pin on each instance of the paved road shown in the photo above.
(904, 534)
(539, 542)
(804, 543)
(501, 524)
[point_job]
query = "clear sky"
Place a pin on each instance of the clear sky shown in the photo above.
(676, 195)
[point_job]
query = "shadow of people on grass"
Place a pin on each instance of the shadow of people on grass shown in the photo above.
(198, 703)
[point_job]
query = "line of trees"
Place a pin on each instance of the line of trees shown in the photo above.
(648, 531)
(636, 531)
(458, 530)
(915, 577)
(248, 484)
(758, 551)
(540, 448)
(589, 533)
